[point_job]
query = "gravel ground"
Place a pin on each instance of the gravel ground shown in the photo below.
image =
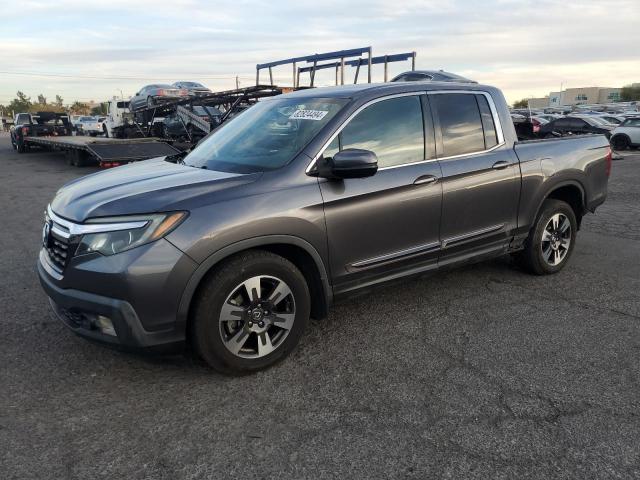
(482, 372)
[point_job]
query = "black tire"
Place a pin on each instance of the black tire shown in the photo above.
(207, 331)
(532, 257)
(105, 131)
(21, 147)
(620, 142)
(150, 102)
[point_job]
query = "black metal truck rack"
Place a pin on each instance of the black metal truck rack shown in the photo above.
(229, 101)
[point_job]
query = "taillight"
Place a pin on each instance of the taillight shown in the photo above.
(25, 130)
(161, 92)
(609, 160)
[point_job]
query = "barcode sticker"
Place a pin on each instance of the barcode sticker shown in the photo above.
(308, 114)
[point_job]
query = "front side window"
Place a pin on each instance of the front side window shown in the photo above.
(460, 123)
(392, 129)
(266, 136)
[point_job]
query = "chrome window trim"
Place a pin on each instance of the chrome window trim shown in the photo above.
(487, 95)
(82, 229)
(351, 117)
(492, 107)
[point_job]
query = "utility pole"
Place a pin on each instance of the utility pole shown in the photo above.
(237, 83)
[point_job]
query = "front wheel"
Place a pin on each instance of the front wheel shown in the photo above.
(251, 312)
(620, 142)
(551, 240)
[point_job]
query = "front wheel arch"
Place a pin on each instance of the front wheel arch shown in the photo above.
(295, 249)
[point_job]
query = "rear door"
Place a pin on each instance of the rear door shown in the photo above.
(480, 175)
(380, 227)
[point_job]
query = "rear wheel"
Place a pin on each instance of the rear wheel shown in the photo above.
(620, 142)
(251, 312)
(552, 239)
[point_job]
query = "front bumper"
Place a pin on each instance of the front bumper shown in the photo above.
(138, 291)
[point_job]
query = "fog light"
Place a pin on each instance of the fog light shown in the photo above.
(105, 325)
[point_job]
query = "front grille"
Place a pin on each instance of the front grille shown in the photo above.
(55, 239)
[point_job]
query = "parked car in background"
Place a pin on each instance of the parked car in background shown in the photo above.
(73, 120)
(89, 125)
(612, 119)
(430, 75)
(537, 122)
(549, 116)
(303, 199)
(42, 124)
(574, 126)
(627, 134)
(153, 95)
(174, 127)
(194, 88)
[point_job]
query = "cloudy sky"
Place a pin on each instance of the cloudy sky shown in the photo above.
(88, 50)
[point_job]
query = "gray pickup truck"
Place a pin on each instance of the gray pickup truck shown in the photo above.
(303, 199)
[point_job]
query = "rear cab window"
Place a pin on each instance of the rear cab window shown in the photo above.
(461, 125)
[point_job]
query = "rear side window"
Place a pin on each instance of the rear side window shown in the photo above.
(489, 127)
(392, 129)
(460, 123)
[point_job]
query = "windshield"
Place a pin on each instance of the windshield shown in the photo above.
(266, 136)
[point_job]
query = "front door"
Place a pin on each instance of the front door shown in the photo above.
(480, 176)
(381, 226)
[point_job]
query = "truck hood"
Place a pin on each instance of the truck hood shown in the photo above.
(143, 187)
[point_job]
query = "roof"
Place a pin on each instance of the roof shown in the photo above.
(377, 89)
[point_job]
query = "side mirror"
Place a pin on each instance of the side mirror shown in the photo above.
(349, 163)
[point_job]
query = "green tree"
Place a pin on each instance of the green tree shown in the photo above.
(42, 100)
(630, 93)
(100, 109)
(524, 103)
(58, 102)
(79, 108)
(21, 103)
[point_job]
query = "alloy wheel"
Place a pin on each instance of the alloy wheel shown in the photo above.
(257, 316)
(556, 239)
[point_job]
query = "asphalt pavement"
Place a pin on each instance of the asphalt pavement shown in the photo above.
(482, 372)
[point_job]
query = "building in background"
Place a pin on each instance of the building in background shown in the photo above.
(579, 96)
(539, 103)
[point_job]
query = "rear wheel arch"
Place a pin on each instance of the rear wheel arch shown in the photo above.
(571, 192)
(298, 251)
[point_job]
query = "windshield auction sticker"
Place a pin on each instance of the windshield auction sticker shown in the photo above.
(308, 114)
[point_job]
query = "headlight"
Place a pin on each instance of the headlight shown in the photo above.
(117, 234)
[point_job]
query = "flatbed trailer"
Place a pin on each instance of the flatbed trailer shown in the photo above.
(104, 152)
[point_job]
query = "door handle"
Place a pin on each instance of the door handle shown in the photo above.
(500, 165)
(425, 180)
